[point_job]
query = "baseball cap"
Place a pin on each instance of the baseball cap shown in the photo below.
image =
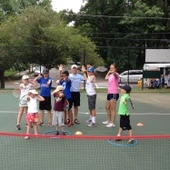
(45, 71)
(58, 88)
(126, 87)
(25, 77)
(33, 91)
(90, 69)
(74, 66)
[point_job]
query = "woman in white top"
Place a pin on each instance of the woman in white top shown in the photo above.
(25, 86)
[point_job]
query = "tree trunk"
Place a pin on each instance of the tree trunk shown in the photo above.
(2, 79)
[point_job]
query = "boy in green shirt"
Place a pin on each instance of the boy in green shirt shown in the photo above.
(123, 111)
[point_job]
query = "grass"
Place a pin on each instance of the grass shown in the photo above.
(10, 72)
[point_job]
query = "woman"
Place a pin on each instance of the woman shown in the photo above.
(113, 95)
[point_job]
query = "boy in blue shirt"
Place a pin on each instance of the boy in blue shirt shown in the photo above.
(45, 91)
(66, 83)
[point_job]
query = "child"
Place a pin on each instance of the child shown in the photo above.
(91, 95)
(66, 83)
(45, 82)
(123, 111)
(25, 85)
(32, 114)
(59, 105)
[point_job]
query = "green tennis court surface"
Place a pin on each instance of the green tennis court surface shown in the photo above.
(81, 154)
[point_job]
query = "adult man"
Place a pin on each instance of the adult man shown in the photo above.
(45, 91)
(76, 80)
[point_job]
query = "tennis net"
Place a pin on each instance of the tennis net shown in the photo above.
(48, 152)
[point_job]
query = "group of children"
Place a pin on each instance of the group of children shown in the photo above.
(61, 103)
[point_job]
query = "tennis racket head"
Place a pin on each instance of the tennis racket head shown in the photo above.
(131, 103)
(23, 101)
(16, 91)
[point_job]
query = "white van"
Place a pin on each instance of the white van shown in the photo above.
(132, 75)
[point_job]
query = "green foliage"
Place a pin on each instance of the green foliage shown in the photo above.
(122, 29)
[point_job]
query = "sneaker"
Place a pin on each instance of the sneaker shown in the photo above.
(105, 123)
(18, 127)
(91, 124)
(88, 121)
(70, 124)
(26, 137)
(63, 133)
(110, 125)
(41, 124)
(49, 124)
(131, 141)
(57, 133)
(118, 139)
(76, 121)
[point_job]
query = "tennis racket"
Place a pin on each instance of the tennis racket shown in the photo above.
(16, 91)
(131, 103)
(23, 101)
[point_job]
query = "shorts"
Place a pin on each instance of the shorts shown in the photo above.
(46, 104)
(125, 122)
(58, 118)
(32, 117)
(75, 98)
(92, 102)
(70, 103)
(112, 97)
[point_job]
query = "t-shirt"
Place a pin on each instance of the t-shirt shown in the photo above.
(59, 103)
(124, 107)
(113, 84)
(76, 80)
(32, 105)
(67, 86)
(45, 89)
(90, 87)
(24, 91)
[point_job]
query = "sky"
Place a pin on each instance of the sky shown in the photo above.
(67, 4)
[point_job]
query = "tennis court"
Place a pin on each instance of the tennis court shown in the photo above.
(92, 150)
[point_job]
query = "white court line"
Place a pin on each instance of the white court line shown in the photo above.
(104, 113)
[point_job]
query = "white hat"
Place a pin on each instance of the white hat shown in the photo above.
(33, 91)
(74, 66)
(58, 88)
(25, 77)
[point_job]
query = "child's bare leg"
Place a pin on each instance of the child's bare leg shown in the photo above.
(49, 117)
(70, 115)
(120, 132)
(28, 128)
(65, 116)
(20, 113)
(35, 128)
(131, 134)
(41, 116)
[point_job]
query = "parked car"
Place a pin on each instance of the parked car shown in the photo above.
(132, 75)
(38, 70)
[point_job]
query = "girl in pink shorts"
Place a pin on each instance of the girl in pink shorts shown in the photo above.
(32, 113)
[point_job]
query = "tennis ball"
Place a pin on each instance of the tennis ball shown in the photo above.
(78, 133)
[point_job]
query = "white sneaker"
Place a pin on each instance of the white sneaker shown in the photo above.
(110, 125)
(105, 123)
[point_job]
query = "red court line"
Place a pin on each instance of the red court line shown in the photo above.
(84, 136)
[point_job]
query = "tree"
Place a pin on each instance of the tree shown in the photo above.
(38, 36)
(122, 29)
